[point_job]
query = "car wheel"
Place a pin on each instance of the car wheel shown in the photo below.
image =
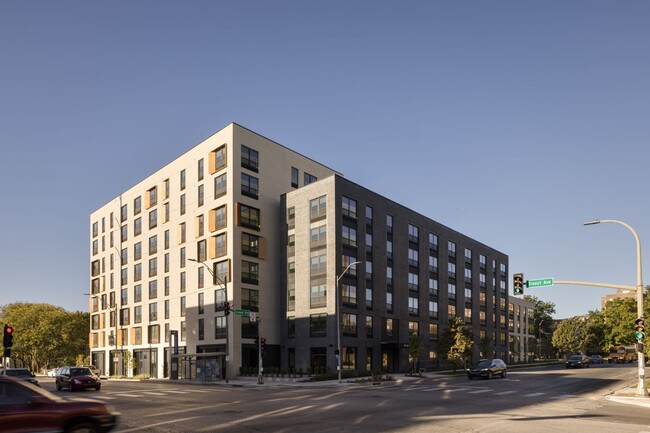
(470, 377)
(58, 386)
(489, 375)
(503, 375)
(97, 388)
(82, 427)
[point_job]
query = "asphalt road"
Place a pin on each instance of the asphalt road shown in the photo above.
(533, 400)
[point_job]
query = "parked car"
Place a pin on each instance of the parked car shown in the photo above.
(577, 361)
(94, 369)
(488, 368)
(596, 359)
(25, 407)
(52, 372)
(21, 373)
(76, 378)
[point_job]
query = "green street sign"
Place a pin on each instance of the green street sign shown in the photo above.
(242, 312)
(542, 282)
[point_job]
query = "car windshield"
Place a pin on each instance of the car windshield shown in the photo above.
(80, 371)
(484, 363)
(575, 358)
(19, 373)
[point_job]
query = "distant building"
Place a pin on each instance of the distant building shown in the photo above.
(520, 327)
(244, 220)
(620, 294)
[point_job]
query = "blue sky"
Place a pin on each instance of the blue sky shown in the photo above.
(510, 121)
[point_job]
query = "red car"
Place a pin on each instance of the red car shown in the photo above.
(76, 378)
(25, 407)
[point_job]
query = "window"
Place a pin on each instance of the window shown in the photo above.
(291, 217)
(349, 294)
(318, 325)
(218, 218)
(199, 169)
(349, 207)
(137, 226)
(318, 264)
(414, 233)
(124, 213)
(137, 293)
(368, 326)
(220, 185)
(318, 236)
(220, 327)
(220, 245)
(413, 283)
(433, 264)
(318, 297)
(165, 189)
(201, 301)
(250, 244)
(349, 324)
(200, 195)
(368, 298)
(153, 267)
(413, 257)
(201, 255)
(433, 309)
(182, 180)
(318, 208)
(249, 186)
(219, 299)
(183, 306)
(218, 159)
(389, 302)
(152, 197)
(153, 245)
(451, 291)
(137, 314)
(308, 178)
(389, 327)
(349, 236)
(182, 205)
(201, 330)
(413, 306)
(222, 271)
(433, 287)
(153, 312)
(468, 256)
(153, 334)
(137, 272)
(451, 247)
(451, 269)
(250, 299)
(250, 272)
(249, 158)
(200, 225)
(389, 224)
(294, 177)
(249, 217)
(433, 242)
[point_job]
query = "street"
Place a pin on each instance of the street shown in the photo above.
(549, 399)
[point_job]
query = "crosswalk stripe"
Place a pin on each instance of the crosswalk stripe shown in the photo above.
(535, 394)
(479, 391)
(505, 393)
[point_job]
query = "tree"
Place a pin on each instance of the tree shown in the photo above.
(416, 349)
(457, 342)
(571, 335)
(542, 321)
(45, 335)
(486, 347)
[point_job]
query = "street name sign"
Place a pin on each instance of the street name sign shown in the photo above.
(242, 312)
(542, 282)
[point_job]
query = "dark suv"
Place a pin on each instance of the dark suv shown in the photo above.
(577, 361)
(76, 378)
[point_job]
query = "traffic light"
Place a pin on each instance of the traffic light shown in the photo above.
(7, 340)
(226, 308)
(518, 284)
(639, 329)
(263, 344)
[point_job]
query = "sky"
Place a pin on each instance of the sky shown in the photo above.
(513, 122)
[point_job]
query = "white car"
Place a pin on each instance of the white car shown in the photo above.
(94, 369)
(51, 372)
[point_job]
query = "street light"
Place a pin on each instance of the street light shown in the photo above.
(641, 388)
(338, 317)
(225, 289)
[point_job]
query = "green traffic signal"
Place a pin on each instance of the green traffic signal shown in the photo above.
(639, 329)
(518, 284)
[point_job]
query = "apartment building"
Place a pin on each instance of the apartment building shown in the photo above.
(242, 222)
(520, 323)
(396, 272)
(168, 253)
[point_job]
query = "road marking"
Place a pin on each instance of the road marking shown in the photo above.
(535, 394)
(178, 392)
(154, 393)
(505, 393)
(479, 391)
(148, 426)
(563, 396)
(104, 397)
(129, 395)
